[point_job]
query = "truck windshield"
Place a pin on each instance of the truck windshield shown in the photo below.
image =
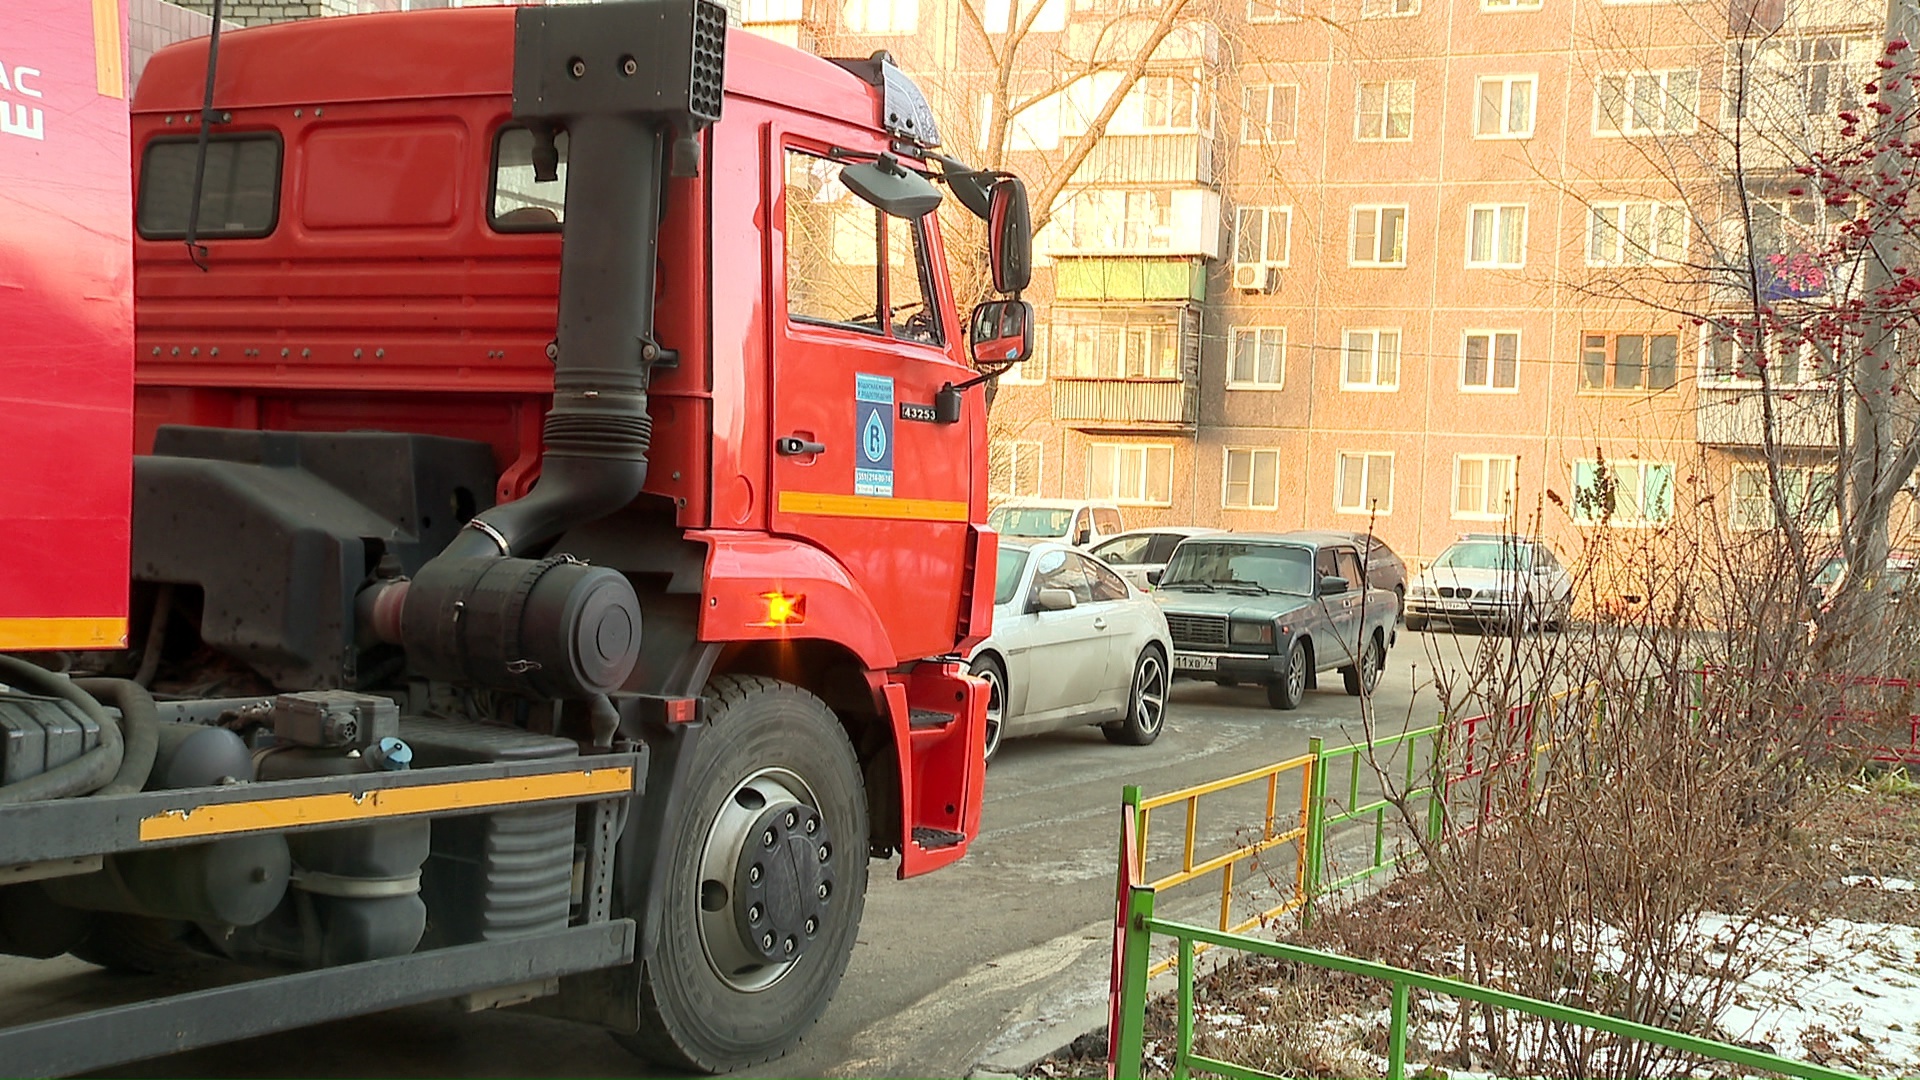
(1006, 580)
(1274, 568)
(1031, 521)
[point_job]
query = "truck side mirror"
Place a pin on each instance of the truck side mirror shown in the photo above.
(1009, 235)
(1001, 334)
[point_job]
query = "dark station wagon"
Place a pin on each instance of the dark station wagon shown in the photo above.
(1275, 609)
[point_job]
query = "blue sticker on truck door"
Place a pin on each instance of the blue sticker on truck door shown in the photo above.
(873, 426)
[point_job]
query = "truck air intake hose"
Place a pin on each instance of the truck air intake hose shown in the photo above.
(87, 773)
(622, 80)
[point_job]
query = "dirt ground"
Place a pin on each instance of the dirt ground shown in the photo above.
(1855, 856)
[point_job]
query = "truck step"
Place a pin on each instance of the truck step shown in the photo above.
(931, 838)
(918, 719)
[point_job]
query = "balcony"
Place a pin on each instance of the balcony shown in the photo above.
(1126, 405)
(1104, 39)
(1734, 418)
(1173, 158)
(1107, 221)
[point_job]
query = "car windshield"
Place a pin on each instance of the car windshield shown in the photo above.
(1030, 521)
(1275, 568)
(1007, 580)
(1484, 555)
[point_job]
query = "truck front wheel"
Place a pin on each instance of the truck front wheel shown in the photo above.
(765, 879)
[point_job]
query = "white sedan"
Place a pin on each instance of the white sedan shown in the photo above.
(1073, 644)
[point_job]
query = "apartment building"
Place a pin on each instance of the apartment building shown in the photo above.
(1425, 266)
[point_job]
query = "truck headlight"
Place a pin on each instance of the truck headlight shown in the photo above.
(1246, 633)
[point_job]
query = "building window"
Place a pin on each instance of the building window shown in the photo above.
(1252, 480)
(1115, 343)
(1013, 468)
(1628, 361)
(1384, 111)
(1379, 236)
(1363, 483)
(1646, 102)
(1506, 107)
(1483, 486)
(1622, 492)
(1808, 493)
(1263, 235)
(1635, 233)
(1136, 473)
(1119, 220)
(1732, 359)
(1496, 236)
(1509, 5)
(1372, 360)
(1269, 113)
(1005, 16)
(1781, 78)
(1490, 360)
(1270, 11)
(1387, 9)
(883, 16)
(1165, 102)
(1259, 360)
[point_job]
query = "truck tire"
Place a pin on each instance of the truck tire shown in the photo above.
(773, 762)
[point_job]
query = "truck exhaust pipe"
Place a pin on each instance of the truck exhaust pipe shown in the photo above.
(630, 83)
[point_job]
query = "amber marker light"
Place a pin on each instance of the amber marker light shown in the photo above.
(784, 609)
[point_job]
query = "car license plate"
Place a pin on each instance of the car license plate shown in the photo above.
(1191, 662)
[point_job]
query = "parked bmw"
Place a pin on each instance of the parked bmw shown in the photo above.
(1073, 644)
(1275, 610)
(1493, 580)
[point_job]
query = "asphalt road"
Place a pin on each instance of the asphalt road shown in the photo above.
(1002, 945)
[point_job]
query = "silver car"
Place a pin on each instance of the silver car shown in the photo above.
(1073, 644)
(1508, 582)
(1136, 554)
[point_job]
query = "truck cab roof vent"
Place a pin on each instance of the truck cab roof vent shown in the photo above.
(904, 112)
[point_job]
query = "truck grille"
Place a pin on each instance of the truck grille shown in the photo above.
(1451, 593)
(1197, 631)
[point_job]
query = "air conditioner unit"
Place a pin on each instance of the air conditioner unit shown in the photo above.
(1256, 278)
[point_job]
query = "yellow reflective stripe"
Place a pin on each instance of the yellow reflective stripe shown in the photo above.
(21, 633)
(110, 76)
(871, 506)
(264, 815)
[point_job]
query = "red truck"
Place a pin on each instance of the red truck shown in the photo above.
(548, 469)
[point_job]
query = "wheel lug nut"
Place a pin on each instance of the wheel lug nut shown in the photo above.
(768, 839)
(826, 852)
(824, 890)
(753, 874)
(766, 942)
(793, 818)
(812, 924)
(813, 826)
(789, 946)
(754, 913)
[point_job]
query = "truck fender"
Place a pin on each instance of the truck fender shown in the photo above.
(744, 569)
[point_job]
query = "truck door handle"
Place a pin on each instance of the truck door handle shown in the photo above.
(794, 446)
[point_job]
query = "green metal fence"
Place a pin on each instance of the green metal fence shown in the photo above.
(1426, 777)
(1129, 1043)
(1324, 818)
